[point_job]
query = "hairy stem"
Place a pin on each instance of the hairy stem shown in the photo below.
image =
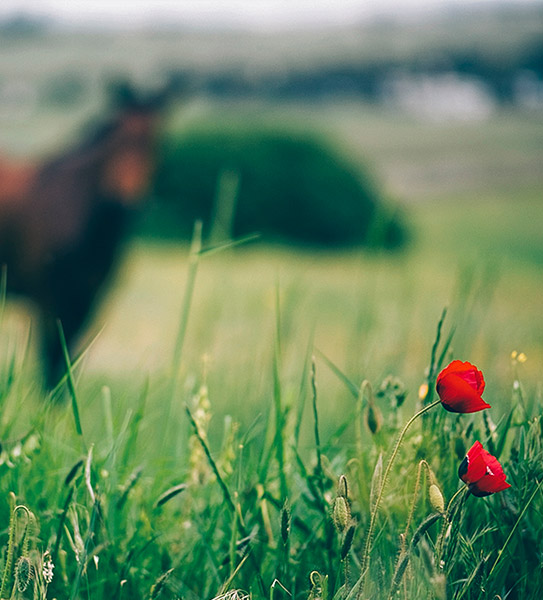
(373, 517)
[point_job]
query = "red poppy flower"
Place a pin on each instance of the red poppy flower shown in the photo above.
(482, 472)
(460, 386)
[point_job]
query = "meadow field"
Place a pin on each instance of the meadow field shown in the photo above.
(234, 426)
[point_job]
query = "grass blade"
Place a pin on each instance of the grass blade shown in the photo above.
(70, 382)
(195, 248)
(229, 244)
(170, 493)
(302, 392)
(514, 528)
(226, 496)
(337, 371)
(277, 401)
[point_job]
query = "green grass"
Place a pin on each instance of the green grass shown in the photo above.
(138, 506)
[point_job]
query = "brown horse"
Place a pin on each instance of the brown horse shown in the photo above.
(61, 222)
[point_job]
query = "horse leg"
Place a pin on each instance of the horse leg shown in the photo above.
(69, 315)
(51, 350)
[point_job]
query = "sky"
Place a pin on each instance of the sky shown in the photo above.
(251, 13)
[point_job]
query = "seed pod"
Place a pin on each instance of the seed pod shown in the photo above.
(23, 573)
(341, 514)
(436, 498)
(47, 567)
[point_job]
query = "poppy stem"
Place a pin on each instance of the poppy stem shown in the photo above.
(375, 510)
(449, 506)
(422, 464)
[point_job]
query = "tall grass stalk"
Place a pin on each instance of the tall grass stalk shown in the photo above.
(71, 384)
(319, 471)
(309, 360)
(405, 555)
(82, 566)
(194, 256)
(227, 496)
(513, 529)
(423, 465)
(279, 441)
(435, 360)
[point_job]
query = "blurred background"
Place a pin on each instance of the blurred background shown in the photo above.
(389, 155)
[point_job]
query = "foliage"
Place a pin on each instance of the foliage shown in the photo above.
(284, 184)
(135, 498)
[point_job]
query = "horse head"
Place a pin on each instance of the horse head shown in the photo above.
(130, 147)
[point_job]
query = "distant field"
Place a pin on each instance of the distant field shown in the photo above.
(372, 315)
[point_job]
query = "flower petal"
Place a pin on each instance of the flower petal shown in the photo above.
(482, 472)
(473, 467)
(470, 373)
(488, 484)
(457, 395)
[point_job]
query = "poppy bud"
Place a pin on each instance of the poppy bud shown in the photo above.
(372, 414)
(374, 418)
(23, 573)
(436, 498)
(341, 513)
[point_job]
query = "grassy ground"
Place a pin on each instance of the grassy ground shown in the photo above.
(146, 513)
(137, 506)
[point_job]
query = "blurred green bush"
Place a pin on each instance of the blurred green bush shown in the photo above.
(285, 185)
